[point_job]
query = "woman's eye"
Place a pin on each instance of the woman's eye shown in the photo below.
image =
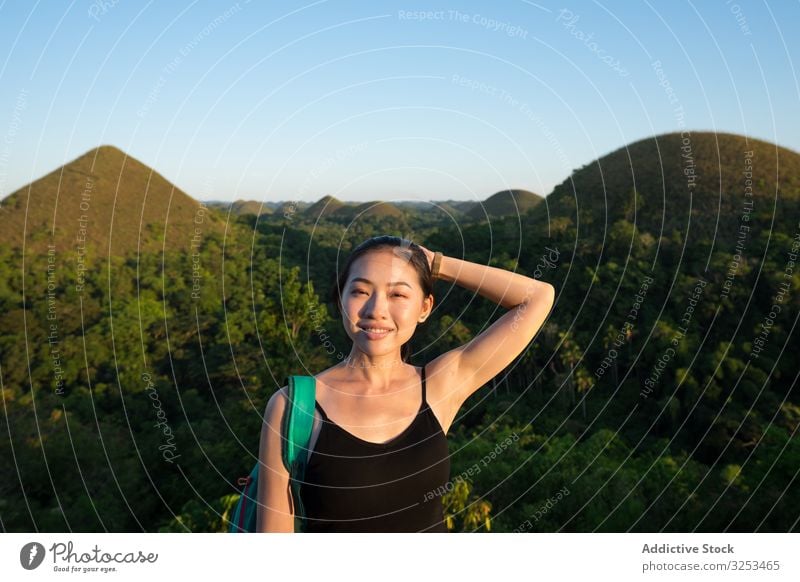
(358, 291)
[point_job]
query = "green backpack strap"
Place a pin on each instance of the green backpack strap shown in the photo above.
(296, 435)
(298, 420)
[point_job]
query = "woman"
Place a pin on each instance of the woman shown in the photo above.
(378, 446)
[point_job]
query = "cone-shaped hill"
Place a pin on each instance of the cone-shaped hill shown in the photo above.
(242, 207)
(323, 208)
(505, 203)
(697, 183)
(104, 202)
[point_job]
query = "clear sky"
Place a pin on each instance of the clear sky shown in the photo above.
(383, 100)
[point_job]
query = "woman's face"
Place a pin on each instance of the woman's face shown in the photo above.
(382, 302)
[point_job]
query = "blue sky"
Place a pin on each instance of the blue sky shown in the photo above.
(383, 100)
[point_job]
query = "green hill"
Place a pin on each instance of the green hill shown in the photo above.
(375, 208)
(505, 203)
(323, 208)
(106, 202)
(695, 185)
(329, 207)
(242, 207)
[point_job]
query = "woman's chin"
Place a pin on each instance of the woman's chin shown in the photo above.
(377, 347)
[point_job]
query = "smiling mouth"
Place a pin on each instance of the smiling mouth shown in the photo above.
(376, 332)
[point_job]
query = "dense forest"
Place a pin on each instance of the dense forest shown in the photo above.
(661, 394)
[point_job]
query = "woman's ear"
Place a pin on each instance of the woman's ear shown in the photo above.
(427, 307)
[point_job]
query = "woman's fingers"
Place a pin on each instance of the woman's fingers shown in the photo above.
(429, 255)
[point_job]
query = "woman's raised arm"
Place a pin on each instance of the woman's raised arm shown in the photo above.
(472, 365)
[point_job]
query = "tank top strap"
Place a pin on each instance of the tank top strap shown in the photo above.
(424, 396)
(321, 411)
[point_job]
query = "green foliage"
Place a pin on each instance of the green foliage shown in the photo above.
(465, 512)
(202, 516)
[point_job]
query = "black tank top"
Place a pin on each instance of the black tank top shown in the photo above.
(353, 485)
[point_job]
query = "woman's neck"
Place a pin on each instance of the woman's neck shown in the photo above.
(377, 374)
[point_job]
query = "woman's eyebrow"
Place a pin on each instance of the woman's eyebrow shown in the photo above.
(393, 283)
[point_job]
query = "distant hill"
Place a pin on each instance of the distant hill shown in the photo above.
(697, 185)
(329, 207)
(242, 207)
(463, 206)
(258, 207)
(375, 208)
(456, 208)
(323, 208)
(113, 201)
(504, 203)
(508, 202)
(443, 210)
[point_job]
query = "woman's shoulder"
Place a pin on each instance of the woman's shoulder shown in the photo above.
(276, 405)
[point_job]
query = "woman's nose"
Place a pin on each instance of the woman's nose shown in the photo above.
(375, 307)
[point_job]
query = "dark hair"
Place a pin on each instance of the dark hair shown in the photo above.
(416, 257)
